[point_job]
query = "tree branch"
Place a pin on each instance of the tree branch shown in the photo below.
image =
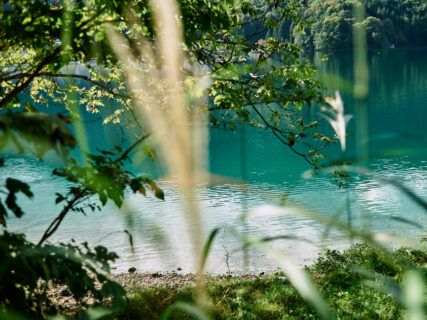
(57, 221)
(78, 197)
(133, 146)
(65, 75)
(18, 89)
(274, 131)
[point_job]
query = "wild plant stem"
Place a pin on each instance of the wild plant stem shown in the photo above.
(80, 195)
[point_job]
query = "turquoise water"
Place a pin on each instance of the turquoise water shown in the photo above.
(390, 139)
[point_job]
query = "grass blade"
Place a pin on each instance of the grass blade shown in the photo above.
(207, 247)
(413, 294)
(299, 278)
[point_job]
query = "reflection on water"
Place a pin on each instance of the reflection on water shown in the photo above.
(396, 145)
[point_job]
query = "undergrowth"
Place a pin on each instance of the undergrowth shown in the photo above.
(340, 276)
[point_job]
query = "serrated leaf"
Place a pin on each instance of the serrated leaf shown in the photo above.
(159, 194)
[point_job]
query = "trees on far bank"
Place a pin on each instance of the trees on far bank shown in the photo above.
(399, 23)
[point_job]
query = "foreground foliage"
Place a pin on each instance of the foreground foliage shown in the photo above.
(29, 271)
(56, 53)
(341, 277)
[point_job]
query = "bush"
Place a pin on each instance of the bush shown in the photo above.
(27, 271)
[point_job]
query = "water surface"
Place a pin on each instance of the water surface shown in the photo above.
(390, 138)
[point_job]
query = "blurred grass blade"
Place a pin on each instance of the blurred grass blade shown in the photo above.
(207, 247)
(334, 114)
(299, 278)
(404, 189)
(10, 315)
(413, 294)
(187, 308)
(79, 125)
(406, 221)
(274, 238)
(380, 282)
(67, 27)
(286, 237)
(326, 232)
(389, 239)
(361, 72)
(130, 237)
(91, 314)
(331, 80)
(159, 99)
(411, 194)
(373, 239)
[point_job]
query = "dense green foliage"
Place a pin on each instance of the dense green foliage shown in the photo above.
(341, 277)
(280, 27)
(386, 23)
(399, 23)
(27, 271)
(404, 23)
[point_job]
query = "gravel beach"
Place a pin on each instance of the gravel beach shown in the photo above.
(172, 279)
(131, 281)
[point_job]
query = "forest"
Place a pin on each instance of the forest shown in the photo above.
(393, 23)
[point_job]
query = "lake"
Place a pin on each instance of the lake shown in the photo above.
(390, 139)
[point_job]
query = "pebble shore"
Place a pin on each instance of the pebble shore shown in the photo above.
(172, 279)
(131, 281)
(147, 280)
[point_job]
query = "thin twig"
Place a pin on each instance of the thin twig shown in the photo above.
(79, 196)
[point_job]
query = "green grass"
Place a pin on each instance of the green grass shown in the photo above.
(273, 297)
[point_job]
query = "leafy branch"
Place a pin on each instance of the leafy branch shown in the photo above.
(104, 177)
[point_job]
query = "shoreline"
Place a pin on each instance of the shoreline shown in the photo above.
(152, 294)
(144, 281)
(175, 280)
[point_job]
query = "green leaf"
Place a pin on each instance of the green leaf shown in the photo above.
(130, 237)
(59, 198)
(207, 247)
(232, 124)
(27, 20)
(15, 186)
(113, 290)
(158, 193)
(103, 198)
(212, 119)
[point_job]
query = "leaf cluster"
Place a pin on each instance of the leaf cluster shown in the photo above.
(105, 176)
(264, 84)
(29, 271)
(402, 23)
(13, 187)
(44, 131)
